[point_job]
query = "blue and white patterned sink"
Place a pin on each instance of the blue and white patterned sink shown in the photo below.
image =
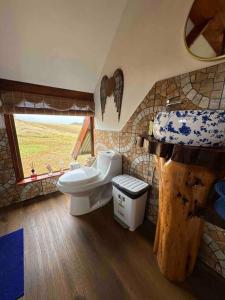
(191, 127)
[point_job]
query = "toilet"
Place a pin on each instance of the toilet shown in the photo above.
(90, 187)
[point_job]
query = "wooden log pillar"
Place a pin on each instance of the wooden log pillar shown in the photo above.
(182, 188)
(186, 175)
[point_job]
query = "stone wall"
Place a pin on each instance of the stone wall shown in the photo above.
(10, 192)
(199, 89)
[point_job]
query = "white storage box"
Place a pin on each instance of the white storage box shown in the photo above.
(129, 200)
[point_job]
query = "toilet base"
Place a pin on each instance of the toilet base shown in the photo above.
(89, 201)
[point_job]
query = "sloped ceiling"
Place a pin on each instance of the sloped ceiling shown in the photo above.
(61, 43)
(148, 46)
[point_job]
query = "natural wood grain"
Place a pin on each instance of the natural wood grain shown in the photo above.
(182, 189)
(93, 257)
(196, 31)
(209, 157)
(40, 177)
(81, 138)
(25, 87)
(203, 10)
(14, 146)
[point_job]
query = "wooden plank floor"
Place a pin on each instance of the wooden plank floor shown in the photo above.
(92, 257)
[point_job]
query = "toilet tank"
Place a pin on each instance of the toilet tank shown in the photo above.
(109, 163)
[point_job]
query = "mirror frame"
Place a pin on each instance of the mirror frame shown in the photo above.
(192, 54)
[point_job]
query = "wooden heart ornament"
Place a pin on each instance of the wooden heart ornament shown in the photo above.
(112, 86)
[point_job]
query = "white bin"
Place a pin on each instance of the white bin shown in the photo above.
(129, 200)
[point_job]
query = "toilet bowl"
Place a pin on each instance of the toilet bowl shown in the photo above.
(90, 187)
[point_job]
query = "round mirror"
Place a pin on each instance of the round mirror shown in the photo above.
(205, 29)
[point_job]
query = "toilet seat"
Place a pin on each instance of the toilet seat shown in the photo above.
(90, 188)
(83, 175)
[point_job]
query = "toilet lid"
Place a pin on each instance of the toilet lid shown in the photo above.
(78, 176)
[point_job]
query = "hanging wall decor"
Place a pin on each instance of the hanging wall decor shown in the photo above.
(112, 86)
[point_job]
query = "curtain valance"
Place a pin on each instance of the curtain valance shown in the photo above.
(23, 102)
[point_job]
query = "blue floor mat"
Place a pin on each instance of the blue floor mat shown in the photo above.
(12, 265)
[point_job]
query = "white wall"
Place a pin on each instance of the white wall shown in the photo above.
(148, 46)
(60, 43)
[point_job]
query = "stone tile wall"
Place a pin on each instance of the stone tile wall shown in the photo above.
(199, 89)
(8, 192)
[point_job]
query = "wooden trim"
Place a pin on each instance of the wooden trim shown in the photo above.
(209, 157)
(81, 137)
(15, 152)
(11, 85)
(223, 44)
(14, 147)
(87, 125)
(196, 31)
(40, 177)
(92, 127)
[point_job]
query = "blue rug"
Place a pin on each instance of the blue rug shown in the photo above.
(11, 265)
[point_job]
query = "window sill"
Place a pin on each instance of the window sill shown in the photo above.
(39, 177)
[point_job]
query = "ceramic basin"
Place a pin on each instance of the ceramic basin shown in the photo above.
(191, 127)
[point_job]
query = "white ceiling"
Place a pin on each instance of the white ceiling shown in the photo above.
(61, 43)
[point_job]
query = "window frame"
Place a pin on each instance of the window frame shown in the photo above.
(15, 151)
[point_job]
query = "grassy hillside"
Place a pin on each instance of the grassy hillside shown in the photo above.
(43, 143)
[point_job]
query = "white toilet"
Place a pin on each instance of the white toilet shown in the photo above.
(91, 187)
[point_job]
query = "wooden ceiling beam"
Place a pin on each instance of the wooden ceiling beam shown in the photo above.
(24, 87)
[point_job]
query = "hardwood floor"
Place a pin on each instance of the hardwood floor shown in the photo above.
(93, 257)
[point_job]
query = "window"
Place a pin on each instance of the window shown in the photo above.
(47, 139)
